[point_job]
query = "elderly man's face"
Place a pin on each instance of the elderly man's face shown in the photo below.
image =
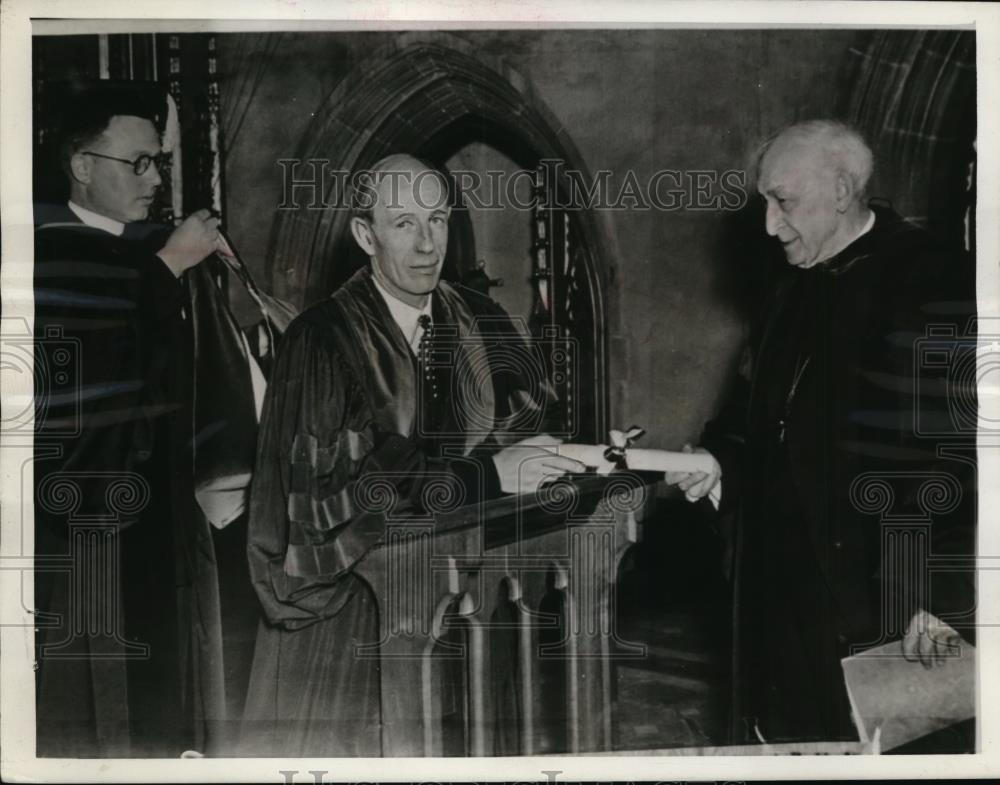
(408, 235)
(800, 188)
(113, 189)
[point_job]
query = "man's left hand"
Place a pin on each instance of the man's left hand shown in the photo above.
(524, 466)
(929, 640)
(191, 242)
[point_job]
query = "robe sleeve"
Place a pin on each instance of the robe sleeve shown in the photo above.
(111, 305)
(316, 509)
(725, 438)
(933, 293)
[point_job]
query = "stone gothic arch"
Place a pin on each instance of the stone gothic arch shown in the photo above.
(428, 93)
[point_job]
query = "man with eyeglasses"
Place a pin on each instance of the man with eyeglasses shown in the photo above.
(134, 676)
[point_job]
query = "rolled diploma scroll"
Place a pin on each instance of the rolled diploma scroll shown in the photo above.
(636, 459)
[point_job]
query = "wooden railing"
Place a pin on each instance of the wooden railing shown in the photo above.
(496, 620)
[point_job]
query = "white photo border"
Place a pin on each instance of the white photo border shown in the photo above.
(19, 19)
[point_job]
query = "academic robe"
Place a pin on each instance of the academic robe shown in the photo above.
(834, 393)
(341, 406)
(113, 402)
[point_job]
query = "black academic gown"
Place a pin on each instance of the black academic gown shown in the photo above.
(341, 406)
(835, 388)
(113, 448)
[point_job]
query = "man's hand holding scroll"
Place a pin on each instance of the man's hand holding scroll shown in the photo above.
(698, 484)
(524, 466)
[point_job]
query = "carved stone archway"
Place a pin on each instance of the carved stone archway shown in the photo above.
(427, 93)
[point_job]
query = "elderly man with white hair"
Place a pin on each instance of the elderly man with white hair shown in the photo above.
(833, 403)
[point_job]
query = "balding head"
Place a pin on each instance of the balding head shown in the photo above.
(813, 177)
(399, 218)
(383, 179)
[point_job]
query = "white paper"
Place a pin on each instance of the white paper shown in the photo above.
(592, 455)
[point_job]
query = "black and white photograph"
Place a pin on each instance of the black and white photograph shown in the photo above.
(550, 389)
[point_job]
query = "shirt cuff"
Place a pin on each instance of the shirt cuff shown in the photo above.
(715, 495)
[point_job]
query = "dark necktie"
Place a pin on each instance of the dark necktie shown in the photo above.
(433, 382)
(428, 393)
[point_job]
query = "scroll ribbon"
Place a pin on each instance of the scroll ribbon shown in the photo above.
(620, 442)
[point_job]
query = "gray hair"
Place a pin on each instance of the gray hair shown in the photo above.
(843, 145)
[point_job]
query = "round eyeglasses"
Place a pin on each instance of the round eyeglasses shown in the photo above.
(139, 165)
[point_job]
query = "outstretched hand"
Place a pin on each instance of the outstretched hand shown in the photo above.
(525, 465)
(695, 485)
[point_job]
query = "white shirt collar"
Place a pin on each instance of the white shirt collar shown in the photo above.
(405, 315)
(864, 230)
(867, 227)
(96, 220)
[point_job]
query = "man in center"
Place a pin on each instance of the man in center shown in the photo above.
(343, 404)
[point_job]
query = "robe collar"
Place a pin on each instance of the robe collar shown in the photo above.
(384, 361)
(884, 223)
